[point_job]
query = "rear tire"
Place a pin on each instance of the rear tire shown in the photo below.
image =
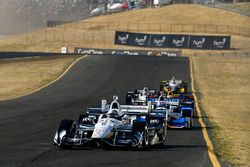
(164, 134)
(188, 125)
(191, 124)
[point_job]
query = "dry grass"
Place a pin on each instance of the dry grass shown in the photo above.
(19, 77)
(225, 94)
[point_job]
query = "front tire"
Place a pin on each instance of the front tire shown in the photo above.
(145, 140)
(66, 125)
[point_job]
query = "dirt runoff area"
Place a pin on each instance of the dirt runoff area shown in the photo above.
(223, 83)
(22, 76)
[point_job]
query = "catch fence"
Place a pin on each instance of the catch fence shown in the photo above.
(104, 32)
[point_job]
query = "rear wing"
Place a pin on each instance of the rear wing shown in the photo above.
(126, 109)
(172, 101)
(162, 113)
(135, 109)
(187, 100)
(177, 81)
(152, 99)
(99, 111)
(186, 108)
(167, 101)
(95, 111)
(150, 91)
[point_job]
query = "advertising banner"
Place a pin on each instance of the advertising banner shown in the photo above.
(209, 42)
(173, 41)
(92, 51)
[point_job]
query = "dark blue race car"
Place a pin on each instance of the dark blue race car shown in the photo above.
(181, 117)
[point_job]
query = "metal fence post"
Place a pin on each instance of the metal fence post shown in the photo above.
(63, 35)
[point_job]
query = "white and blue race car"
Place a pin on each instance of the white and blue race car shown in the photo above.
(135, 126)
(140, 96)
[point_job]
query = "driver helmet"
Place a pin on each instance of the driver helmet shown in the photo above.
(113, 113)
(125, 119)
(145, 91)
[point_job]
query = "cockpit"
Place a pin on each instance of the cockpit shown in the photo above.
(115, 109)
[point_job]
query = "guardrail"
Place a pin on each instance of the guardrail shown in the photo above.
(225, 54)
(13, 55)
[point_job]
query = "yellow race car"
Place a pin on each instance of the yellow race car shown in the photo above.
(174, 86)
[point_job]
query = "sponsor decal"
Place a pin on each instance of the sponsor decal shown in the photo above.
(90, 51)
(199, 43)
(159, 42)
(125, 52)
(123, 39)
(220, 43)
(141, 41)
(162, 53)
(178, 42)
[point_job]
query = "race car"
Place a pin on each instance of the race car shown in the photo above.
(176, 86)
(181, 117)
(183, 99)
(180, 112)
(117, 6)
(139, 96)
(115, 125)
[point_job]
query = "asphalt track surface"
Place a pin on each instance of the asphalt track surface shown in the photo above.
(27, 124)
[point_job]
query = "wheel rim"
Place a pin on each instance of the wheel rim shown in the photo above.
(146, 137)
(164, 133)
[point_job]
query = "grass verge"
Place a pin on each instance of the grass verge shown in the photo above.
(223, 84)
(21, 76)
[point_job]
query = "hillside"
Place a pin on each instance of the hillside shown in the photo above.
(178, 14)
(99, 31)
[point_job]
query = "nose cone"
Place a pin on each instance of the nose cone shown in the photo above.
(102, 129)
